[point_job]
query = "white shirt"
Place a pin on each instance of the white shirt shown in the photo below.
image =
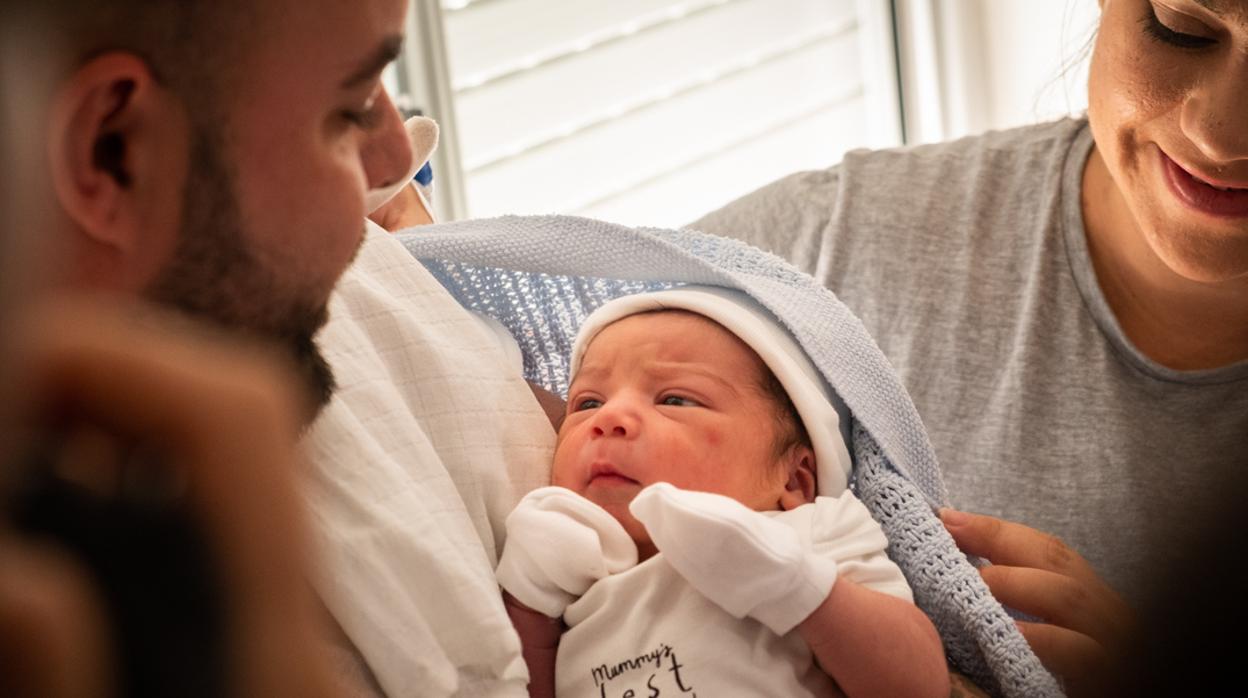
(431, 439)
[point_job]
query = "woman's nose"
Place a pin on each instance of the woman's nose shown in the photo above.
(387, 152)
(1213, 114)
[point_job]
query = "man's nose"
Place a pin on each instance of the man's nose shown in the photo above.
(616, 421)
(387, 152)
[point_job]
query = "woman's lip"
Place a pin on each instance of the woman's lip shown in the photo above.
(1201, 196)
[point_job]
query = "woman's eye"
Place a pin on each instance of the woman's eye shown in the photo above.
(588, 403)
(679, 401)
(1154, 27)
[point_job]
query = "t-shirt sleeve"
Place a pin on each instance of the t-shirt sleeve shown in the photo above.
(788, 217)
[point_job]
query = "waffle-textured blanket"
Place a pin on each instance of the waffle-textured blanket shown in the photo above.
(541, 275)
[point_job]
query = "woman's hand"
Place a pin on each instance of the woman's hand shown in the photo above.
(1085, 622)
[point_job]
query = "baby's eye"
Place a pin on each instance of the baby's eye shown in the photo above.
(588, 403)
(679, 401)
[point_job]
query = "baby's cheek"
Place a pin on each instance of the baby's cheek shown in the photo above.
(713, 438)
(562, 469)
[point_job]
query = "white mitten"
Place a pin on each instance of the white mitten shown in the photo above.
(558, 545)
(739, 559)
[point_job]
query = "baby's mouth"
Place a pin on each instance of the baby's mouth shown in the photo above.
(608, 475)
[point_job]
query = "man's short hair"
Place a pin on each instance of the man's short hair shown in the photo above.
(192, 46)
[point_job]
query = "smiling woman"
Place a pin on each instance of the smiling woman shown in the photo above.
(1168, 224)
(1068, 305)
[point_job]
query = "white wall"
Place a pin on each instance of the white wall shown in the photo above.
(973, 65)
(1029, 49)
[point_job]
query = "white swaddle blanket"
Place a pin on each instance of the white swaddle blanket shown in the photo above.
(428, 444)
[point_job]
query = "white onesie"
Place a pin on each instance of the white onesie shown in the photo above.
(646, 633)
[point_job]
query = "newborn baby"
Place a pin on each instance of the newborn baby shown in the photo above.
(682, 542)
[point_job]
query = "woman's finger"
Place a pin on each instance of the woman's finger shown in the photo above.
(1081, 662)
(1015, 545)
(1061, 601)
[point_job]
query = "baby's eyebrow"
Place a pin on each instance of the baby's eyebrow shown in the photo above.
(677, 370)
(588, 373)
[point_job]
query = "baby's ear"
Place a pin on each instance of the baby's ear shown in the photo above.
(800, 487)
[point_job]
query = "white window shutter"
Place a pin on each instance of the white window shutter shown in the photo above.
(653, 112)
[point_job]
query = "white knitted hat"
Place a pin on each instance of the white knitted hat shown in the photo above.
(824, 415)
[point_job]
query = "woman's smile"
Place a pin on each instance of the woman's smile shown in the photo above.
(1203, 194)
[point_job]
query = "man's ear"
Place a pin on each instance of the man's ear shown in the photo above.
(800, 487)
(110, 155)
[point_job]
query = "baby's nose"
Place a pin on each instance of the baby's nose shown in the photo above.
(617, 430)
(615, 421)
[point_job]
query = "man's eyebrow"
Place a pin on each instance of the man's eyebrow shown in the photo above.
(380, 58)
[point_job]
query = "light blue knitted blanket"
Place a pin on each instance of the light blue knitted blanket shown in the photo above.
(541, 276)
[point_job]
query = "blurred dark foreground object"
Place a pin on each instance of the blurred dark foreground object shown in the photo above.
(149, 562)
(1190, 639)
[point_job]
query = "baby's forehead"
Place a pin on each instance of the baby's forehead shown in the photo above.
(679, 333)
(669, 323)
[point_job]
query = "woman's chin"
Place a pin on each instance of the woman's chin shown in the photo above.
(1204, 255)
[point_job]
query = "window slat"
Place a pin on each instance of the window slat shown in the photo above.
(655, 111)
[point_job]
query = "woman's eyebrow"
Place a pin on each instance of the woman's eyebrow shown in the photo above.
(381, 57)
(1211, 5)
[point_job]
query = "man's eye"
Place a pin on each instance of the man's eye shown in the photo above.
(679, 401)
(361, 118)
(588, 403)
(1154, 27)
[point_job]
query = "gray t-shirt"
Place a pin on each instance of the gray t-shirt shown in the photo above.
(968, 263)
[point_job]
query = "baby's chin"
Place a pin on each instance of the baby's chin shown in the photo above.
(617, 506)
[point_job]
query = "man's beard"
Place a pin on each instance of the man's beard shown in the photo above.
(215, 276)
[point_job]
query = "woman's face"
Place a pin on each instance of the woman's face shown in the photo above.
(1168, 105)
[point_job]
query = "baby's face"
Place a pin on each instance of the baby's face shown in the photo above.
(668, 397)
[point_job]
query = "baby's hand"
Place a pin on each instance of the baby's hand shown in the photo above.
(558, 545)
(744, 562)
